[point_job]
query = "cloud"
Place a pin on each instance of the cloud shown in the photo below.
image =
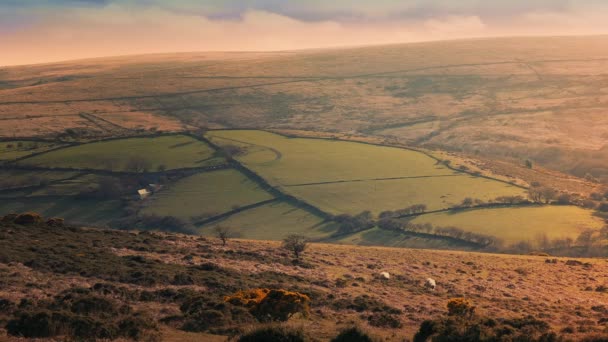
(103, 28)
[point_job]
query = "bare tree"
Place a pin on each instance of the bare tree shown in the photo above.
(224, 234)
(296, 244)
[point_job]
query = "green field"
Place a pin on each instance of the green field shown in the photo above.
(77, 211)
(379, 237)
(349, 177)
(206, 194)
(439, 192)
(517, 224)
(168, 152)
(11, 150)
(273, 221)
(21, 178)
(287, 161)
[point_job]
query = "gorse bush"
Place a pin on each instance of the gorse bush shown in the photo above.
(27, 219)
(460, 307)
(272, 305)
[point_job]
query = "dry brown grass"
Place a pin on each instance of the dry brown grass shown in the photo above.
(499, 285)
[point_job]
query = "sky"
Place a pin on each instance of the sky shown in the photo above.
(39, 31)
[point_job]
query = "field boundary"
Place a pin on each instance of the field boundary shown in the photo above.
(235, 211)
(409, 148)
(267, 186)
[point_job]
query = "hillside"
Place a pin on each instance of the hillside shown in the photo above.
(264, 185)
(163, 285)
(541, 99)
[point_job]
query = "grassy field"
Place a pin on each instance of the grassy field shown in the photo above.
(273, 221)
(88, 212)
(438, 192)
(170, 152)
(288, 161)
(348, 177)
(206, 194)
(20, 178)
(11, 150)
(519, 224)
(379, 237)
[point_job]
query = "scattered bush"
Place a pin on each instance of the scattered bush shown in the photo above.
(272, 305)
(55, 222)
(274, 333)
(384, 320)
(353, 334)
(28, 219)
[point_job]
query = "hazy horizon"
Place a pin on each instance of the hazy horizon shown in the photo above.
(39, 31)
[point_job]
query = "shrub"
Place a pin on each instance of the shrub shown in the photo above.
(55, 222)
(296, 244)
(28, 219)
(353, 334)
(384, 320)
(77, 314)
(204, 313)
(460, 307)
(248, 298)
(485, 329)
(365, 303)
(272, 305)
(274, 333)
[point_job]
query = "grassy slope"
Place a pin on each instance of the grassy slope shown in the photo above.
(292, 163)
(517, 224)
(518, 98)
(273, 221)
(498, 285)
(210, 193)
(175, 151)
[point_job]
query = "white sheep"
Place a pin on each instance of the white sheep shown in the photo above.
(385, 275)
(430, 284)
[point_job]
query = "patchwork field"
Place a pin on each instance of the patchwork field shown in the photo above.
(348, 177)
(206, 194)
(133, 154)
(273, 221)
(519, 224)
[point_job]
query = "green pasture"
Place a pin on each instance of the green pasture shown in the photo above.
(152, 154)
(288, 161)
(440, 192)
(11, 150)
(23, 178)
(380, 237)
(87, 212)
(206, 194)
(349, 177)
(519, 224)
(273, 221)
